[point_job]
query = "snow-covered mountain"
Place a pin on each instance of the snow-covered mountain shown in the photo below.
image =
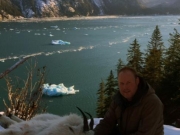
(58, 8)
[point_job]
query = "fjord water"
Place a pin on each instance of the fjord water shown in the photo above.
(96, 45)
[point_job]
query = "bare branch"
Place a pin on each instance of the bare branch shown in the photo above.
(13, 67)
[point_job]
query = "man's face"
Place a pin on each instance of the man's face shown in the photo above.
(128, 84)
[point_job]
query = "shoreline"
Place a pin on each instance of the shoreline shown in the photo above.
(61, 18)
(65, 18)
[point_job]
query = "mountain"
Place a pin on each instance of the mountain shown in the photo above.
(117, 7)
(10, 9)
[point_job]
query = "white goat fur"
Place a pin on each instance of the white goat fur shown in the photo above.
(46, 124)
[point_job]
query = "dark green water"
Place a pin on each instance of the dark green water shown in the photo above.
(96, 46)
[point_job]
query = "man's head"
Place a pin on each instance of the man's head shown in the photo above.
(128, 81)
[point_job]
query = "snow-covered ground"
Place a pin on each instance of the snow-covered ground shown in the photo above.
(168, 130)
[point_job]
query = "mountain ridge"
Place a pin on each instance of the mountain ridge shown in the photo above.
(15, 9)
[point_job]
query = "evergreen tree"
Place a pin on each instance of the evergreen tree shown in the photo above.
(6, 7)
(173, 52)
(153, 66)
(170, 85)
(134, 56)
(119, 65)
(100, 101)
(110, 90)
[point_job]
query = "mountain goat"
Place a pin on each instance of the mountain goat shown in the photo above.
(49, 124)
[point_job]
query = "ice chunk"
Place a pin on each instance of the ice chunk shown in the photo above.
(58, 90)
(60, 42)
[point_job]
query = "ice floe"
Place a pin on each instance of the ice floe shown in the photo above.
(58, 90)
(60, 42)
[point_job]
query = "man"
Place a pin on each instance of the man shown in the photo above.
(135, 109)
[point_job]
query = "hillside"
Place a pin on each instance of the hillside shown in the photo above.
(14, 9)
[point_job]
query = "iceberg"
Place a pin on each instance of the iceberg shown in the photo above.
(58, 90)
(60, 42)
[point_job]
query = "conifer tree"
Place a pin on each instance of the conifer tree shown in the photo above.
(134, 56)
(120, 64)
(100, 101)
(110, 89)
(173, 52)
(170, 85)
(153, 66)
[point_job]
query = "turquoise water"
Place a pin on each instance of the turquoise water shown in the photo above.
(96, 45)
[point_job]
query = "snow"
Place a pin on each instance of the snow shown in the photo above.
(168, 130)
(99, 4)
(40, 5)
(58, 90)
(1, 128)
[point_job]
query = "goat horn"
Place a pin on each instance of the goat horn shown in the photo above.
(85, 127)
(91, 124)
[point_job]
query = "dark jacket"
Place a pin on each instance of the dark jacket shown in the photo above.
(142, 116)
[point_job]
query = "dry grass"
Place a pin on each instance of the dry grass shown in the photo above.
(25, 96)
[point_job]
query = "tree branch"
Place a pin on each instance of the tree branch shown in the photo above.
(13, 67)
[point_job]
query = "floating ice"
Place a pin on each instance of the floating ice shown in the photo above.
(75, 28)
(60, 42)
(37, 34)
(54, 26)
(51, 35)
(58, 90)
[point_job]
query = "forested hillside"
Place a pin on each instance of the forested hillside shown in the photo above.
(13, 9)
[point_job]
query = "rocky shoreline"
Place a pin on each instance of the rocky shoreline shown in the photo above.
(20, 19)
